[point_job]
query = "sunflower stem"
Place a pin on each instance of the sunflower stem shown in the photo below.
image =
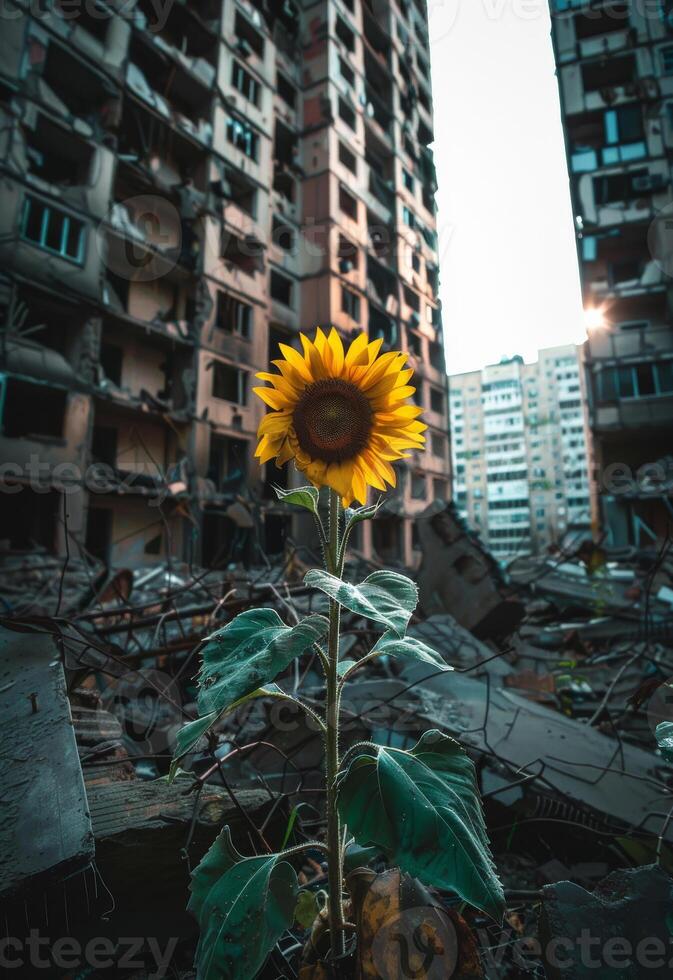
(335, 863)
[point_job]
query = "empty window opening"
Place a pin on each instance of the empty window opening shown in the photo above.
(233, 316)
(350, 303)
(347, 253)
(282, 234)
(348, 159)
(281, 288)
(249, 39)
(57, 155)
(348, 203)
(33, 411)
(286, 90)
(227, 462)
(345, 34)
(111, 359)
(230, 384)
(347, 113)
(436, 400)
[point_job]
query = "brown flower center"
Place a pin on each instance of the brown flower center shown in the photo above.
(332, 420)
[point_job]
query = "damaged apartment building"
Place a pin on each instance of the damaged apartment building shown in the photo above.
(615, 70)
(184, 186)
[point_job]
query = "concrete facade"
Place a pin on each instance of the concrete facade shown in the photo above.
(520, 452)
(615, 71)
(184, 186)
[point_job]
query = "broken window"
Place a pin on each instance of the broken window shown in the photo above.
(243, 81)
(286, 90)
(227, 462)
(350, 303)
(414, 343)
(53, 230)
(348, 159)
(348, 203)
(437, 359)
(241, 135)
(412, 299)
(249, 39)
(346, 113)
(347, 253)
(92, 17)
(436, 400)
(230, 383)
(242, 191)
(606, 73)
(57, 155)
(612, 17)
(281, 288)
(243, 253)
(104, 445)
(408, 180)
(98, 540)
(408, 217)
(282, 234)
(32, 410)
(346, 72)
(345, 34)
(382, 326)
(80, 87)
(418, 486)
(438, 444)
(232, 315)
(111, 358)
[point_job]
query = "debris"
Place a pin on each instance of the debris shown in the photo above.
(621, 931)
(457, 575)
(45, 830)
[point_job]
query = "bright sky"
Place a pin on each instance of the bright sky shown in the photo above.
(509, 278)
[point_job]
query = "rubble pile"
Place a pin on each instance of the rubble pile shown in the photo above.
(562, 672)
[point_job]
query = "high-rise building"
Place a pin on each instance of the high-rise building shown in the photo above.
(520, 452)
(185, 186)
(615, 71)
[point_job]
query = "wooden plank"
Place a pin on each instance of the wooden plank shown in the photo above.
(45, 830)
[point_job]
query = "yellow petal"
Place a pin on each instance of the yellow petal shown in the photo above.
(272, 397)
(337, 348)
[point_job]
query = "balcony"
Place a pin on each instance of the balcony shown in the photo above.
(639, 341)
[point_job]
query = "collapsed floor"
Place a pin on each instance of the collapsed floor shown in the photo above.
(562, 673)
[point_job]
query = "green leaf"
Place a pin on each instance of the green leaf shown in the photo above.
(306, 497)
(189, 736)
(386, 597)
(423, 808)
(249, 652)
(344, 666)
(243, 907)
(394, 646)
(306, 909)
(664, 736)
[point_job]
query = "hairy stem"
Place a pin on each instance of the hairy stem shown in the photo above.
(335, 865)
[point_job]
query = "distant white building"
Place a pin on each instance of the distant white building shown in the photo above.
(519, 444)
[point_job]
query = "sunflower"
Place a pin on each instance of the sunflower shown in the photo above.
(342, 416)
